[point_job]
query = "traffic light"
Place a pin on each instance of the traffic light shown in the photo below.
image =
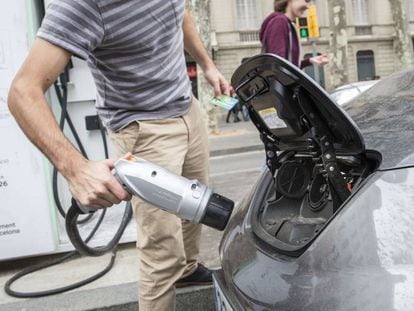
(308, 26)
(303, 27)
(313, 22)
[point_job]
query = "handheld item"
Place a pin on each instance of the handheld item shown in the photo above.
(224, 101)
(188, 199)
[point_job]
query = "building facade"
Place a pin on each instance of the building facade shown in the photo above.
(370, 32)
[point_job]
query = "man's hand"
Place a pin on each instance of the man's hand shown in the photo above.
(319, 60)
(93, 185)
(195, 48)
(218, 82)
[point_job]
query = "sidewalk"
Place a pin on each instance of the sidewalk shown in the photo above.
(117, 290)
(235, 138)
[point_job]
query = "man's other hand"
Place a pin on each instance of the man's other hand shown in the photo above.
(319, 60)
(218, 82)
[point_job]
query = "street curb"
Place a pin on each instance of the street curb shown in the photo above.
(220, 152)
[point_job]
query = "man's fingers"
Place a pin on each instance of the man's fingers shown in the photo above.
(232, 92)
(94, 200)
(217, 90)
(97, 203)
(110, 163)
(319, 60)
(117, 190)
(127, 156)
(323, 59)
(225, 88)
(109, 193)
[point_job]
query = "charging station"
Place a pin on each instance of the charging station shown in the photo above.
(29, 222)
(26, 214)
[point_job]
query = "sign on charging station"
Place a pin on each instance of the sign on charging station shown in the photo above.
(26, 221)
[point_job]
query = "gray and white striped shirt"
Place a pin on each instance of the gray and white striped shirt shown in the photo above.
(134, 49)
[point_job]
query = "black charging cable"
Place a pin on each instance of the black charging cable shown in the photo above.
(82, 246)
(62, 95)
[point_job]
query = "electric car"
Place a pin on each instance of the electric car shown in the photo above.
(330, 223)
(348, 92)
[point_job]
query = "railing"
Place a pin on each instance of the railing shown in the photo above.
(363, 30)
(249, 35)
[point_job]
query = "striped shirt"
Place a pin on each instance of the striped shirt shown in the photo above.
(135, 51)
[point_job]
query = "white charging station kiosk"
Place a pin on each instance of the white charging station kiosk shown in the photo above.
(26, 220)
(29, 222)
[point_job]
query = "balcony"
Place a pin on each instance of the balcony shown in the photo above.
(249, 35)
(363, 30)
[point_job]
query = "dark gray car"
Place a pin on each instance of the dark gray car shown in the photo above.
(330, 223)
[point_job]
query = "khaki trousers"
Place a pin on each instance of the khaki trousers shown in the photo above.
(168, 247)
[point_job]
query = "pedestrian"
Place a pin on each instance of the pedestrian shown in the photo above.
(135, 51)
(278, 33)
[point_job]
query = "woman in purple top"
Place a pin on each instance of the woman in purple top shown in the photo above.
(279, 35)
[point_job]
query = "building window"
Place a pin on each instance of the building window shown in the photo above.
(410, 10)
(247, 15)
(360, 10)
(365, 65)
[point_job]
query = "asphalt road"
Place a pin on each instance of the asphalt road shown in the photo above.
(234, 175)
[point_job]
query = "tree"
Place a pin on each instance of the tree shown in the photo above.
(338, 44)
(200, 11)
(403, 45)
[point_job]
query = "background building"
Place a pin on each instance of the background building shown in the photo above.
(370, 32)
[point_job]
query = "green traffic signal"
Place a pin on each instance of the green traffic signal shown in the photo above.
(304, 32)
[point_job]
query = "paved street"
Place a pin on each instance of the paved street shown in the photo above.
(233, 175)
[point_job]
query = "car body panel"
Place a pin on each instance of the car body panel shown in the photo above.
(363, 260)
(385, 117)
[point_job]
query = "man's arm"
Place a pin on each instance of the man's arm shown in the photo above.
(91, 183)
(195, 48)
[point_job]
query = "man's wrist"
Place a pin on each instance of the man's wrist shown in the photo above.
(71, 165)
(207, 65)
